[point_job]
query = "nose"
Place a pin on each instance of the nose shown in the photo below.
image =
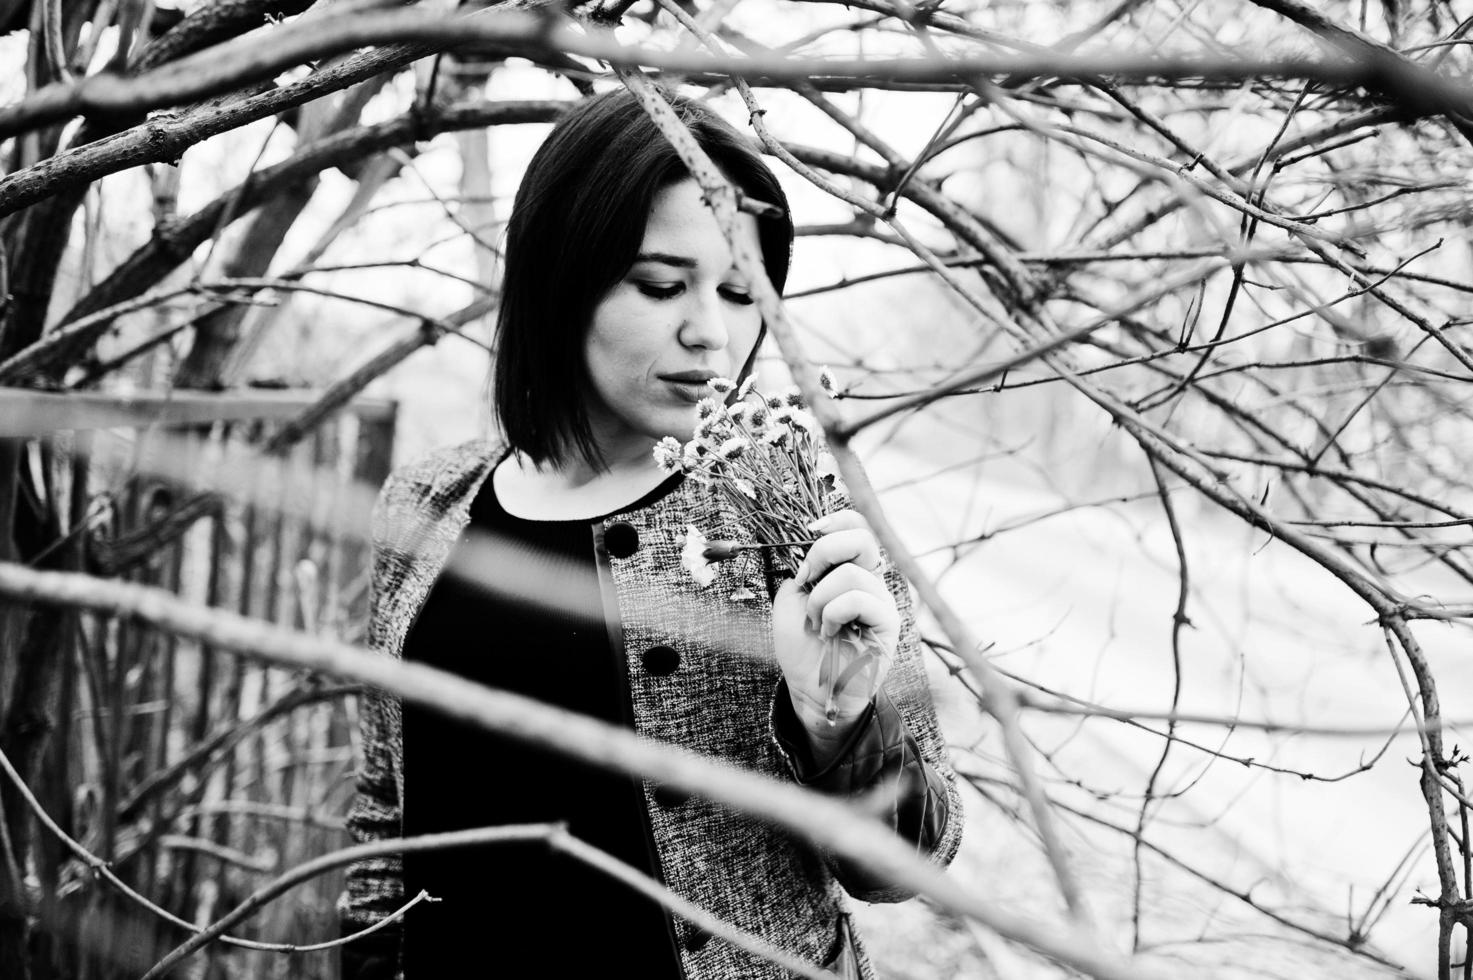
(704, 321)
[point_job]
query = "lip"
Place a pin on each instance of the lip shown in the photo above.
(688, 377)
(689, 386)
(688, 391)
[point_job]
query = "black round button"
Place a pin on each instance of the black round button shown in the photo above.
(621, 539)
(661, 661)
(697, 939)
(668, 797)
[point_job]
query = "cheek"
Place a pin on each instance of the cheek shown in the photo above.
(745, 338)
(613, 334)
(621, 359)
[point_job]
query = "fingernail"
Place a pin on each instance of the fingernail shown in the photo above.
(818, 525)
(801, 575)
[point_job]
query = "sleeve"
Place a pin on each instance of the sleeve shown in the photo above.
(896, 748)
(375, 886)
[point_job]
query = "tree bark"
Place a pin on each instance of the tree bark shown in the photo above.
(31, 709)
(13, 961)
(38, 238)
(217, 333)
(173, 245)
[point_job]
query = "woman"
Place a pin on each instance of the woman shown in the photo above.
(620, 300)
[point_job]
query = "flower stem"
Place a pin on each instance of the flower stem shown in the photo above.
(774, 544)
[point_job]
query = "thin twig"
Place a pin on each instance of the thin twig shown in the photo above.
(224, 67)
(826, 822)
(1179, 620)
(1002, 700)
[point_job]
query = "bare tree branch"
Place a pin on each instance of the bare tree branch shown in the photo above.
(1002, 701)
(1415, 90)
(826, 822)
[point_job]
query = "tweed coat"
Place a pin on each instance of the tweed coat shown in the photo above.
(717, 701)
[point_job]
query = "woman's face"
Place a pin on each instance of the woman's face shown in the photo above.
(681, 315)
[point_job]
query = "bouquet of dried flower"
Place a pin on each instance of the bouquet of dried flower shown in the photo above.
(764, 457)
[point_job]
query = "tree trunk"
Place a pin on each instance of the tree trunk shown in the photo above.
(31, 710)
(37, 237)
(216, 336)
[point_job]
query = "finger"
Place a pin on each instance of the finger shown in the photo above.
(790, 604)
(856, 545)
(850, 580)
(839, 520)
(788, 591)
(863, 608)
(844, 578)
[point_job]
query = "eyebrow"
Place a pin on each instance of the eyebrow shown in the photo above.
(665, 258)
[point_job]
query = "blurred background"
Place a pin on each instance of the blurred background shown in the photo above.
(1219, 541)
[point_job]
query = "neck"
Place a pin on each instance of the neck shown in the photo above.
(575, 490)
(622, 464)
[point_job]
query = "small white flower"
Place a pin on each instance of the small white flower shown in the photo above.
(693, 557)
(738, 411)
(827, 465)
(667, 454)
(745, 487)
(732, 448)
(690, 456)
(827, 383)
(743, 594)
(722, 386)
(801, 419)
(746, 388)
(793, 397)
(705, 408)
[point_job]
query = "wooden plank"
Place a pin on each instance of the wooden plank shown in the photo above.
(25, 412)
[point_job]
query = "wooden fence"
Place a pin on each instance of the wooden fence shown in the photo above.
(199, 776)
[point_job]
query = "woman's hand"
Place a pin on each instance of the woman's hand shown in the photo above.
(839, 583)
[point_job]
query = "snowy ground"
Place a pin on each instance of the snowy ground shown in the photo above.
(1083, 603)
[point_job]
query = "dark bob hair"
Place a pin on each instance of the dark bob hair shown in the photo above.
(575, 230)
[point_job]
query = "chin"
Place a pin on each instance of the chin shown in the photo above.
(681, 432)
(680, 424)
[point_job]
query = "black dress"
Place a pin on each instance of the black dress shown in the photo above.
(520, 910)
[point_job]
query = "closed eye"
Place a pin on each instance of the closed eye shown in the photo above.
(659, 290)
(738, 296)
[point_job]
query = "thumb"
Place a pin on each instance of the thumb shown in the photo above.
(790, 606)
(788, 593)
